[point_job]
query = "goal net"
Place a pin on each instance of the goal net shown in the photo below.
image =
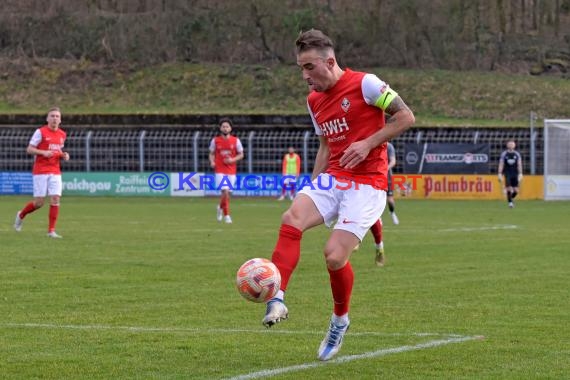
(556, 159)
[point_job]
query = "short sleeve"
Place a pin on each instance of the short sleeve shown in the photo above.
(239, 147)
(318, 131)
(376, 92)
(36, 138)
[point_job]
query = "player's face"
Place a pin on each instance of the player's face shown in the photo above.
(511, 145)
(317, 70)
(54, 119)
(225, 128)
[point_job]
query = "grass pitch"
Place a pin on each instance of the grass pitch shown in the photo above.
(144, 288)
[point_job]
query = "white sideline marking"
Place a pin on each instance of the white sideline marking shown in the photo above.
(484, 228)
(451, 338)
(349, 358)
(205, 330)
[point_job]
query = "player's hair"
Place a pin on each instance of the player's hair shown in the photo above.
(54, 109)
(313, 39)
(226, 120)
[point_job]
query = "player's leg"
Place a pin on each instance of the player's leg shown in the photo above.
(227, 191)
(284, 183)
(515, 192)
(337, 253)
(292, 186)
(30, 207)
(219, 212)
(514, 183)
(52, 216)
(358, 211)
(509, 189)
(510, 196)
(54, 192)
(302, 215)
(511, 182)
(376, 230)
(40, 186)
(225, 205)
(391, 202)
(224, 201)
(392, 207)
(310, 208)
(225, 183)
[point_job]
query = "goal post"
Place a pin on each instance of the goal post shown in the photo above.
(556, 159)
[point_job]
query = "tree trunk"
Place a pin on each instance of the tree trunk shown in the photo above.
(557, 18)
(502, 17)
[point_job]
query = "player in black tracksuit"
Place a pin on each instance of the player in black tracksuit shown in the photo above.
(510, 165)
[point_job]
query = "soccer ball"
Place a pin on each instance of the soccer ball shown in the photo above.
(258, 280)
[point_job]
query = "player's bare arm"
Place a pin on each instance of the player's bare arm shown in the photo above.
(39, 152)
(231, 160)
(402, 118)
(322, 159)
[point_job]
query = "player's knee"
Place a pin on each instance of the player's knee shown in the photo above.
(39, 202)
(290, 217)
(334, 257)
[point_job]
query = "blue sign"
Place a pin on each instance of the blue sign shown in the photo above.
(14, 183)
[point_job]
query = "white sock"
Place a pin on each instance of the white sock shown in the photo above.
(342, 320)
(380, 245)
(280, 295)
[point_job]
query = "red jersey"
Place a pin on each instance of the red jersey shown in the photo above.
(46, 139)
(225, 148)
(345, 114)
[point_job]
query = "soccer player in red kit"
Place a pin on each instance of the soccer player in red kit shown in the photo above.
(46, 145)
(349, 176)
(225, 151)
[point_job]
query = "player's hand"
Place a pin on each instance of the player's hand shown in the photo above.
(500, 177)
(212, 164)
(47, 153)
(228, 160)
(355, 154)
(65, 156)
(520, 177)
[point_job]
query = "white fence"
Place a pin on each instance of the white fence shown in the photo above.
(148, 148)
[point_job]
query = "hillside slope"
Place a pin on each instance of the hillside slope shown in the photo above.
(436, 96)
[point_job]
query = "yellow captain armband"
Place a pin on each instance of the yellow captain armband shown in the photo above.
(386, 98)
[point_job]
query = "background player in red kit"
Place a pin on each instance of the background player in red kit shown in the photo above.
(46, 144)
(225, 151)
(349, 176)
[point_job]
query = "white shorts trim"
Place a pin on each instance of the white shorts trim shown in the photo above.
(227, 181)
(355, 207)
(47, 185)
